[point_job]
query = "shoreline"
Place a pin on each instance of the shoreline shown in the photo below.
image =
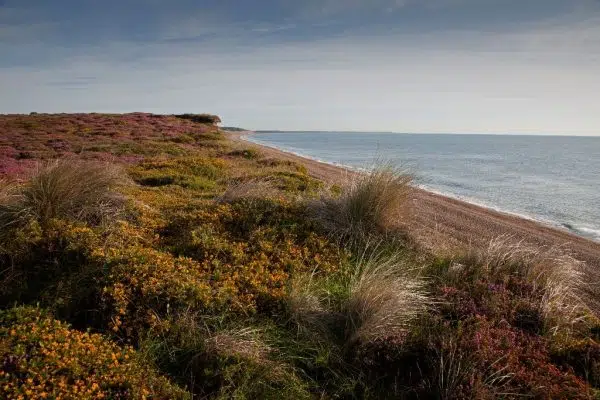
(444, 224)
(475, 202)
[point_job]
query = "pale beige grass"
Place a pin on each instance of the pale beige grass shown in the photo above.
(551, 270)
(370, 203)
(67, 189)
(385, 297)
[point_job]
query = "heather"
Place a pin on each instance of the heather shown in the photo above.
(147, 256)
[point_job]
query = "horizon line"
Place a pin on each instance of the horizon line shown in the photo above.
(426, 133)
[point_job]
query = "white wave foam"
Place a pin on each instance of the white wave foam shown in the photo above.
(590, 232)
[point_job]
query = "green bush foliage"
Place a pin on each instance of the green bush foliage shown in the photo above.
(201, 118)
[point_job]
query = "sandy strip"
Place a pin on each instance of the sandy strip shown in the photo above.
(445, 224)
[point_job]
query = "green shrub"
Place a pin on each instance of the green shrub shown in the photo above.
(52, 267)
(201, 118)
(247, 190)
(184, 138)
(196, 173)
(250, 154)
(295, 182)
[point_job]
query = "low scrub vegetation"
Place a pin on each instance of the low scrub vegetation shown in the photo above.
(201, 118)
(145, 256)
(556, 278)
(44, 358)
(248, 190)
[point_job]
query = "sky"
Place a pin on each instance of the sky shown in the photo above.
(464, 66)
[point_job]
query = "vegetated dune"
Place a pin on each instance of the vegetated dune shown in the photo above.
(148, 256)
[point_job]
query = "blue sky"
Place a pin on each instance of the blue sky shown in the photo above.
(498, 66)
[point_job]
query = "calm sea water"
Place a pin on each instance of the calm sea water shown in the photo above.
(555, 180)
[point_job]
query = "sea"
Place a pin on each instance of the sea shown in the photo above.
(551, 179)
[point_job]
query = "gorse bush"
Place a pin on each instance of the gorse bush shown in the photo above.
(146, 285)
(195, 173)
(201, 118)
(44, 358)
(46, 234)
(67, 189)
(370, 203)
(50, 266)
(249, 154)
(252, 247)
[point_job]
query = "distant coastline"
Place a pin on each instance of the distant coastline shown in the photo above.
(516, 134)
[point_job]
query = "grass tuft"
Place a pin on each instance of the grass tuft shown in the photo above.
(64, 189)
(371, 203)
(553, 273)
(385, 297)
(305, 307)
(248, 190)
(245, 343)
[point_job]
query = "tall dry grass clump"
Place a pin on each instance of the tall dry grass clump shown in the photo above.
(305, 307)
(552, 271)
(385, 296)
(66, 189)
(370, 203)
(379, 297)
(248, 367)
(244, 343)
(247, 190)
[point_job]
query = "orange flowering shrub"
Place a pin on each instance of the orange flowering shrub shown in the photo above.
(144, 285)
(48, 265)
(43, 358)
(253, 247)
